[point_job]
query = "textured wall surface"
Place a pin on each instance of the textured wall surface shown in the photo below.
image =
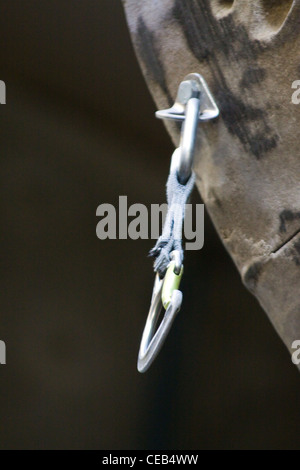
(248, 163)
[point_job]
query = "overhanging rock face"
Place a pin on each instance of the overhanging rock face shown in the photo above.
(248, 161)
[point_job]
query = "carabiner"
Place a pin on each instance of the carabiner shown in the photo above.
(194, 103)
(165, 295)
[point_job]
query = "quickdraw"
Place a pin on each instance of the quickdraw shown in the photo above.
(194, 103)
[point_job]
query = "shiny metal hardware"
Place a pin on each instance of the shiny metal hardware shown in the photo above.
(194, 103)
(165, 295)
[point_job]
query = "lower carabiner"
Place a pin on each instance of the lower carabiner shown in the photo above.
(152, 342)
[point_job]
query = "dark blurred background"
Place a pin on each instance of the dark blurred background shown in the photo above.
(78, 130)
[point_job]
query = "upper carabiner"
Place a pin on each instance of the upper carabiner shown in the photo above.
(194, 103)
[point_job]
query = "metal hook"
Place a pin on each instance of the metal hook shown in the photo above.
(165, 295)
(194, 103)
(188, 140)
